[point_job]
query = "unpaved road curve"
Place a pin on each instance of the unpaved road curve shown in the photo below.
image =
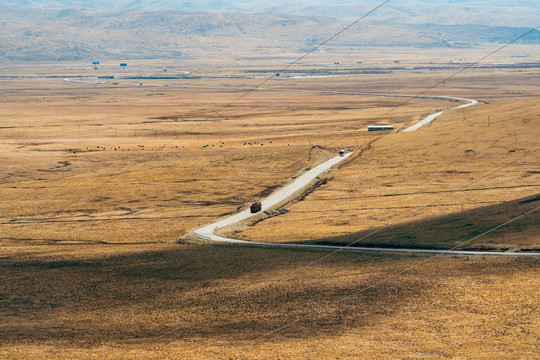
(92, 80)
(208, 232)
(430, 118)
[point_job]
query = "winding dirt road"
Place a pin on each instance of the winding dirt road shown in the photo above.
(209, 232)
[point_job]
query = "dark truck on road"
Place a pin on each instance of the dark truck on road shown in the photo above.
(255, 207)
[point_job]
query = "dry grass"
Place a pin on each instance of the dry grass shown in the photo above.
(113, 164)
(412, 176)
(469, 229)
(65, 293)
(179, 301)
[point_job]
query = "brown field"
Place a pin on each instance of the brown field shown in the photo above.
(200, 302)
(98, 179)
(413, 176)
(113, 164)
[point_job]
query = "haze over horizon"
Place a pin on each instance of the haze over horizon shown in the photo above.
(447, 12)
(135, 29)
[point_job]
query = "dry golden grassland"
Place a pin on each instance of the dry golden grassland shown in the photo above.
(86, 270)
(412, 176)
(114, 164)
(204, 301)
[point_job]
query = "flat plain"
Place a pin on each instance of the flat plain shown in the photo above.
(100, 178)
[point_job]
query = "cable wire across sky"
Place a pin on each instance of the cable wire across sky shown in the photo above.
(222, 108)
(353, 293)
(476, 180)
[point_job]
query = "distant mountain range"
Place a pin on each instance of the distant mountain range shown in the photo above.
(447, 12)
(72, 34)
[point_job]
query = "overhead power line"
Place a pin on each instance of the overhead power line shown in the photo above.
(228, 105)
(420, 94)
(372, 233)
(382, 281)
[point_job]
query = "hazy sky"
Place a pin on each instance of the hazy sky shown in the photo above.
(255, 4)
(446, 12)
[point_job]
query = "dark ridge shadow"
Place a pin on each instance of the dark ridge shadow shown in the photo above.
(445, 231)
(191, 291)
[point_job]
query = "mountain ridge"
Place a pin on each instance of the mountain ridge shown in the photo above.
(70, 34)
(448, 12)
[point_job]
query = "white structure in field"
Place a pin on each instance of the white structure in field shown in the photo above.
(380, 127)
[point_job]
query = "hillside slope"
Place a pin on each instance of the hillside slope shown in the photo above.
(67, 34)
(437, 186)
(448, 12)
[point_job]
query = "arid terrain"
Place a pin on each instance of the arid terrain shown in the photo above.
(100, 176)
(45, 31)
(392, 181)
